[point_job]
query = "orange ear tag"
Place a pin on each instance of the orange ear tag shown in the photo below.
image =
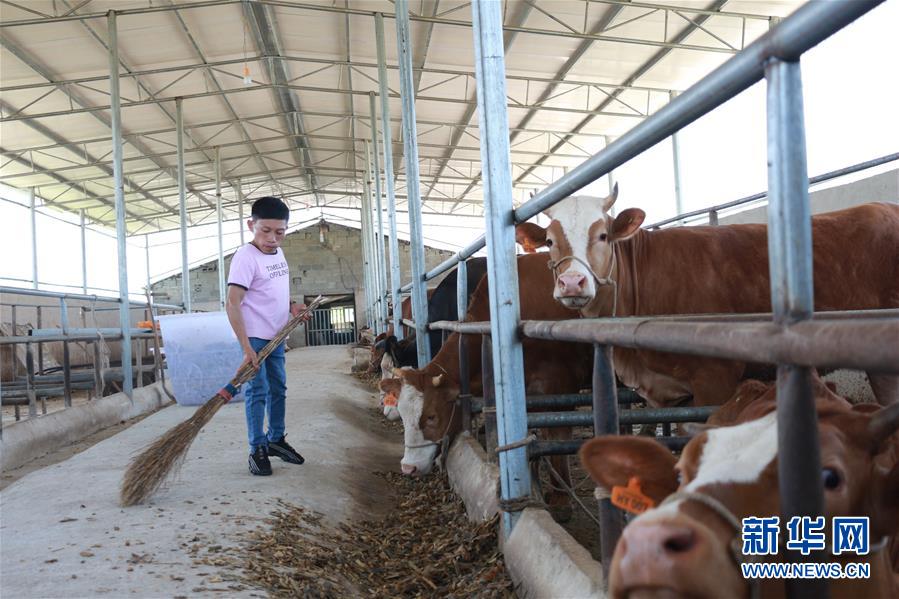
(631, 498)
(390, 400)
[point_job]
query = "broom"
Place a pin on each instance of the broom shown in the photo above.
(147, 471)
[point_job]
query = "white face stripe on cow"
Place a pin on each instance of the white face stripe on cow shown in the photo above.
(576, 214)
(732, 454)
(737, 454)
(410, 405)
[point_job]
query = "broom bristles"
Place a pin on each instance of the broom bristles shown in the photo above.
(152, 467)
(149, 470)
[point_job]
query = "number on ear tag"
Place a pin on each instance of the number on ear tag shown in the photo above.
(631, 498)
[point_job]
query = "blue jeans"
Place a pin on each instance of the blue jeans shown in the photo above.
(265, 397)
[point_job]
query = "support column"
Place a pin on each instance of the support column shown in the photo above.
(373, 242)
(243, 225)
(34, 283)
(462, 294)
(610, 177)
(119, 189)
(218, 211)
(508, 359)
(379, 246)
(182, 204)
(675, 155)
(83, 253)
(394, 246)
(413, 191)
(792, 300)
(365, 229)
(147, 258)
(605, 422)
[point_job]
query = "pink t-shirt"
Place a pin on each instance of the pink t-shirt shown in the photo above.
(266, 305)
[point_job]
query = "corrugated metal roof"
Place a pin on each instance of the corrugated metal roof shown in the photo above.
(592, 66)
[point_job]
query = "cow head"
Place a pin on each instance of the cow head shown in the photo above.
(683, 547)
(580, 238)
(378, 348)
(427, 405)
(389, 399)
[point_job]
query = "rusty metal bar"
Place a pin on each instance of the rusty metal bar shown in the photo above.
(862, 344)
(477, 328)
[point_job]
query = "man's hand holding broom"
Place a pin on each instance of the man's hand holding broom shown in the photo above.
(249, 354)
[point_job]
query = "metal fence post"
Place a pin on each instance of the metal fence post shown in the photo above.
(243, 225)
(66, 361)
(83, 253)
(395, 274)
(40, 346)
(675, 157)
(792, 300)
(182, 203)
(413, 191)
(379, 246)
(121, 230)
(464, 374)
(29, 382)
(508, 358)
(605, 422)
(219, 216)
(365, 224)
(31, 201)
(489, 410)
(373, 237)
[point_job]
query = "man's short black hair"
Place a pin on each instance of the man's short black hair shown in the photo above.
(270, 207)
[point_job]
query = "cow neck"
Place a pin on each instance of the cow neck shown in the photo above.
(447, 360)
(623, 272)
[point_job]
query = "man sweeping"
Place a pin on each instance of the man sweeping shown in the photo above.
(258, 306)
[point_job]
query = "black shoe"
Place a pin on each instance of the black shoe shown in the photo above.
(259, 463)
(281, 449)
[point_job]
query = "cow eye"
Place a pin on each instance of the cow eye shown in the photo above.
(603, 236)
(831, 478)
(431, 420)
(549, 242)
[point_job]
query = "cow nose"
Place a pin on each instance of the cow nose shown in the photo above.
(409, 469)
(572, 283)
(674, 541)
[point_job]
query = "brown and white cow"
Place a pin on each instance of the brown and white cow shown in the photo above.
(379, 348)
(428, 396)
(608, 266)
(684, 547)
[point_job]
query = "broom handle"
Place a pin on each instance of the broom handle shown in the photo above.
(247, 371)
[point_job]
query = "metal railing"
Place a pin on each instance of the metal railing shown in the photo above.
(790, 337)
(712, 213)
(34, 384)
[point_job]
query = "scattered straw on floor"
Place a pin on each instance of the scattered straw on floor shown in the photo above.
(425, 547)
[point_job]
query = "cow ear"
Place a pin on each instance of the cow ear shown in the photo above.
(626, 224)
(531, 236)
(393, 386)
(612, 461)
(610, 200)
(887, 518)
(883, 424)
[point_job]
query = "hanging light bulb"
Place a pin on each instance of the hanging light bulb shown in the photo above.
(247, 79)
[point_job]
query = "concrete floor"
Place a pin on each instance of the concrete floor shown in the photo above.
(62, 533)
